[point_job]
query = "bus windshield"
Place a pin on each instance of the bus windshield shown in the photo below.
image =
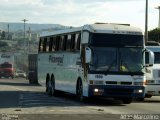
(115, 40)
(157, 57)
(111, 59)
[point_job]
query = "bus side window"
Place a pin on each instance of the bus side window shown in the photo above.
(57, 43)
(40, 45)
(60, 43)
(73, 42)
(50, 43)
(78, 41)
(47, 44)
(64, 46)
(54, 44)
(44, 44)
(68, 43)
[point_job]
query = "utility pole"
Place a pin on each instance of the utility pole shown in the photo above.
(159, 16)
(24, 20)
(146, 22)
(29, 39)
(8, 33)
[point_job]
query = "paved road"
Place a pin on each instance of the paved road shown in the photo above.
(18, 99)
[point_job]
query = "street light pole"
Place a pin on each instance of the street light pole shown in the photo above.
(146, 22)
(159, 16)
(24, 20)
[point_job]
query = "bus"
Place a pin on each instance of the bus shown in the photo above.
(153, 74)
(96, 60)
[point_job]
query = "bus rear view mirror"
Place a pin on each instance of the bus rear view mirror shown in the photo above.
(149, 58)
(85, 37)
(87, 55)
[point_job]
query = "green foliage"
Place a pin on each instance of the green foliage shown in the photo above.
(154, 35)
(3, 44)
(3, 35)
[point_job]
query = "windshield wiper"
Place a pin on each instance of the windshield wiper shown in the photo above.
(114, 61)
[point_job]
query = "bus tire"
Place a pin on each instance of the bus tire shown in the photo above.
(53, 85)
(50, 87)
(127, 100)
(140, 99)
(79, 91)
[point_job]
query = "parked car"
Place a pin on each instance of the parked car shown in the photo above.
(20, 73)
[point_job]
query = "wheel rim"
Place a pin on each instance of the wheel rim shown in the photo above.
(52, 88)
(80, 91)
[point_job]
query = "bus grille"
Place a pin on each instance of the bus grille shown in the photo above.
(119, 91)
(118, 83)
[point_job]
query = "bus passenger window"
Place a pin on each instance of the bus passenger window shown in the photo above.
(60, 43)
(68, 42)
(65, 42)
(54, 44)
(78, 40)
(41, 45)
(57, 43)
(50, 43)
(44, 44)
(73, 42)
(47, 44)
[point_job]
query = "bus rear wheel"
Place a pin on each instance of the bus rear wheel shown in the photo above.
(50, 87)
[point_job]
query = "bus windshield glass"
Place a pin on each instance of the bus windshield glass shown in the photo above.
(112, 59)
(157, 57)
(115, 40)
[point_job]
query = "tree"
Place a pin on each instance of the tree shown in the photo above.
(154, 35)
(3, 44)
(3, 35)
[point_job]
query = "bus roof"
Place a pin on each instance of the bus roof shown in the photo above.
(99, 28)
(154, 48)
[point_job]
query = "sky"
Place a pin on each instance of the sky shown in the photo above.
(79, 12)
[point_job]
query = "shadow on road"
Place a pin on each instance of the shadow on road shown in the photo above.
(28, 99)
(33, 98)
(9, 99)
(19, 82)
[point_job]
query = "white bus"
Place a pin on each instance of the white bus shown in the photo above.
(97, 60)
(153, 74)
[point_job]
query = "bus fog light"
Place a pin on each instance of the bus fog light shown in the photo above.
(140, 91)
(96, 90)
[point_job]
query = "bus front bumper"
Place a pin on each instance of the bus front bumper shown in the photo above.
(116, 91)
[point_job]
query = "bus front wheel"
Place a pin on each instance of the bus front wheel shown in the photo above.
(127, 100)
(79, 91)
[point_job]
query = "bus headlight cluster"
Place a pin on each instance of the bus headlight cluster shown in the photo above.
(96, 82)
(138, 91)
(98, 91)
(140, 83)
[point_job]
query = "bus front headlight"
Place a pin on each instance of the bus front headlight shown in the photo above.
(140, 83)
(96, 82)
(138, 91)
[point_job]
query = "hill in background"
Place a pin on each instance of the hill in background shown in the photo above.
(13, 27)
